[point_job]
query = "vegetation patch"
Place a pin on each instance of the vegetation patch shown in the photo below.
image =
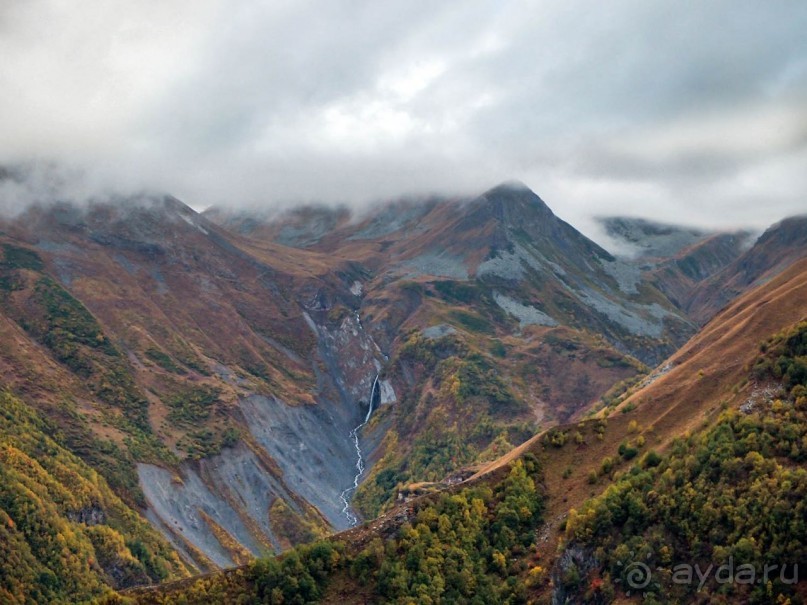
(165, 361)
(472, 546)
(193, 405)
(64, 536)
(206, 442)
(466, 414)
(472, 321)
(455, 291)
(15, 257)
(291, 527)
(735, 493)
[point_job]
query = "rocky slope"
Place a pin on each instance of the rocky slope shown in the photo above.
(537, 269)
(776, 249)
(235, 376)
(701, 271)
(223, 385)
(635, 481)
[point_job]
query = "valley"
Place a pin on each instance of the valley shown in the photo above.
(245, 383)
(590, 509)
(406, 303)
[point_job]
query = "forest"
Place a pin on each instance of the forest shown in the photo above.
(733, 494)
(65, 537)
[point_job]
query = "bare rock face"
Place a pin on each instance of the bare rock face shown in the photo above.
(89, 515)
(302, 455)
(575, 563)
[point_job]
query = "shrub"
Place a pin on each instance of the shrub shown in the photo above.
(651, 459)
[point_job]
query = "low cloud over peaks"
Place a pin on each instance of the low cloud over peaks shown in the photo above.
(696, 115)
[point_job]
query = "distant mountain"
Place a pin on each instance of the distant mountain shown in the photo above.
(680, 275)
(507, 242)
(775, 250)
(701, 271)
(645, 239)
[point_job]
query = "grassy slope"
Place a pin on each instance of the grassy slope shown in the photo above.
(732, 495)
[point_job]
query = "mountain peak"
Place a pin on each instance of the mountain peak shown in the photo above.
(512, 190)
(512, 185)
(512, 202)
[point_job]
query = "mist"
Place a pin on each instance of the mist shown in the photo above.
(694, 114)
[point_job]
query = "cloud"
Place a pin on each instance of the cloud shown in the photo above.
(688, 112)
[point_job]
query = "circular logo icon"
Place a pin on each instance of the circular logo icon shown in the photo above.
(637, 575)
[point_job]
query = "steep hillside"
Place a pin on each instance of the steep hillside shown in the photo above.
(470, 545)
(252, 383)
(180, 357)
(645, 239)
(731, 499)
(507, 243)
(496, 318)
(700, 271)
(697, 392)
(710, 373)
(64, 535)
(676, 259)
(680, 276)
(774, 251)
(222, 384)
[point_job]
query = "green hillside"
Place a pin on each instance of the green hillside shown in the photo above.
(732, 495)
(65, 537)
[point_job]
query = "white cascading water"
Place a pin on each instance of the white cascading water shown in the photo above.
(354, 436)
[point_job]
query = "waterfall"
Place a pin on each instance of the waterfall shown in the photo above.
(354, 436)
(372, 399)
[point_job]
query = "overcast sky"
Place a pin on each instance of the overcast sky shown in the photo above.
(688, 111)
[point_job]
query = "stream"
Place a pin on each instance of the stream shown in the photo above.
(354, 436)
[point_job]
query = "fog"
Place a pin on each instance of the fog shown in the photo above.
(687, 112)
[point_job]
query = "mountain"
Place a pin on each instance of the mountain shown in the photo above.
(775, 250)
(214, 379)
(192, 362)
(676, 259)
(247, 382)
(645, 239)
(680, 275)
(701, 271)
(539, 269)
(669, 476)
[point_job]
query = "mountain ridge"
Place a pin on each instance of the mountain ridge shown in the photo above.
(564, 464)
(215, 378)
